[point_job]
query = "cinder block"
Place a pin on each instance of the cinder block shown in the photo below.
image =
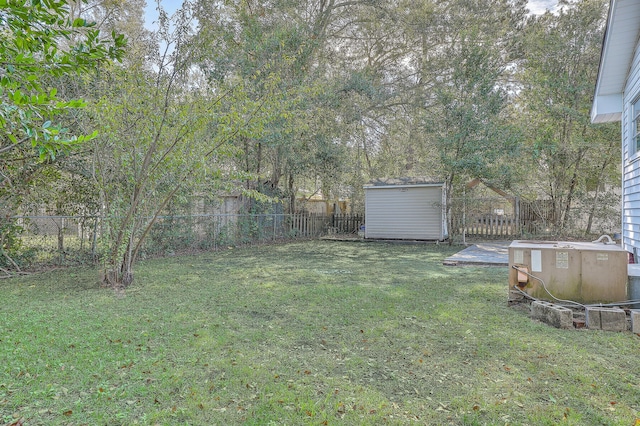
(515, 296)
(635, 321)
(592, 318)
(538, 309)
(607, 319)
(561, 317)
(554, 315)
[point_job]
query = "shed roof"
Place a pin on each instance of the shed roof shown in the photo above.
(616, 57)
(403, 181)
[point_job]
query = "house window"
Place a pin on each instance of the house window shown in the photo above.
(636, 127)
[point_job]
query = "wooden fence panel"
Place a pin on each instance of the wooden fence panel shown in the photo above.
(346, 223)
(308, 225)
(478, 218)
(488, 226)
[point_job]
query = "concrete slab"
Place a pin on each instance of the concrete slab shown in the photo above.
(481, 254)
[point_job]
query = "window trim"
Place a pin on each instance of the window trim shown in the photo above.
(634, 135)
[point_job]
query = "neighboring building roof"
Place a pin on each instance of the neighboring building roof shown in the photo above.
(403, 181)
(618, 47)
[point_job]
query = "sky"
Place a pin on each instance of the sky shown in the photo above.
(151, 14)
(538, 7)
(535, 6)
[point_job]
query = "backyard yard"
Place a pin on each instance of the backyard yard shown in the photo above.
(317, 332)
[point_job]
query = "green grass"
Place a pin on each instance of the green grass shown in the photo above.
(306, 333)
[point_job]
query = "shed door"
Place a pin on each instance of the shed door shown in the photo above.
(413, 213)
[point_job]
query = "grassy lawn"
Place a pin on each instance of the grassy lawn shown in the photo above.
(306, 333)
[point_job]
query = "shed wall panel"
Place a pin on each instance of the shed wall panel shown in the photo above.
(413, 213)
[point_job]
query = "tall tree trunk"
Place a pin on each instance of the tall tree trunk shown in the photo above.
(259, 159)
(61, 237)
(594, 202)
(571, 192)
(292, 195)
(449, 202)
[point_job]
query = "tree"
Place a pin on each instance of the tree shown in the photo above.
(567, 154)
(41, 42)
(168, 130)
(32, 52)
(469, 52)
(281, 45)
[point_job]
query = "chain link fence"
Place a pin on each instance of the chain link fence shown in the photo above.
(31, 242)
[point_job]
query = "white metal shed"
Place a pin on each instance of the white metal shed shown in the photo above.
(405, 209)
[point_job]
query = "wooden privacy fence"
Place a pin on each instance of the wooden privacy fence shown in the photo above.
(313, 225)
(308, 224)
(497, 218)
(346, 223)
(491, 226)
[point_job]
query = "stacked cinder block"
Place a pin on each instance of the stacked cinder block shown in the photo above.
(554, 315)
(635, 321)
(607, 319)
(596, 318)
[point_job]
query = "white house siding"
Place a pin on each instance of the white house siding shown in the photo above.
(631, 163)
(404, 212)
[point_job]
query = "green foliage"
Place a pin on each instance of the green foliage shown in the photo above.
(40, 42)
(468, 123)
(564, 152)
(274, 52)
(169, 132)
(12, 252)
